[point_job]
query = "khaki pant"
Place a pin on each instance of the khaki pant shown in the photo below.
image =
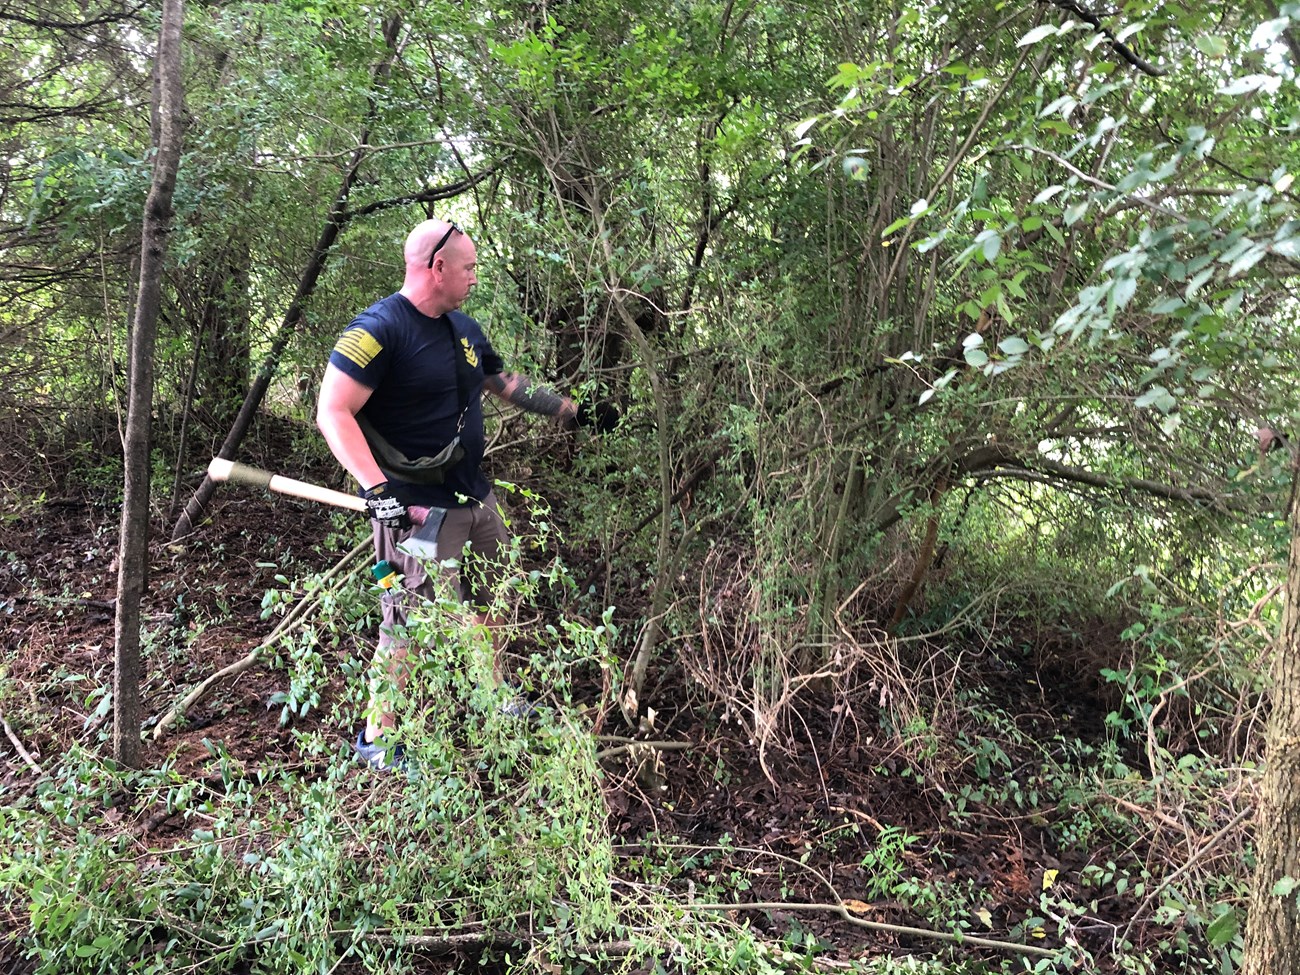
(475, 537)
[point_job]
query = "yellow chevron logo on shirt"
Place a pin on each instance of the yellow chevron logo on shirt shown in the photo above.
(358, 345)
(470, 355)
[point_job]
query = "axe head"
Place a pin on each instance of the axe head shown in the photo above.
(423, 542)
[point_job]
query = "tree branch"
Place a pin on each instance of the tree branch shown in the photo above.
(428, 195)
(1122, 49)
(843, 912)
(1192, 495)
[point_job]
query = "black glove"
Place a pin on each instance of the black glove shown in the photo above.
(604, 416)
(386, 509)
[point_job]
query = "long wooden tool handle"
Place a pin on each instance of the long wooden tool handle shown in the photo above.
(228, 470)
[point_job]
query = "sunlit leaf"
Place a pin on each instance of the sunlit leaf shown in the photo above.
(1036, 35)
(802, 128)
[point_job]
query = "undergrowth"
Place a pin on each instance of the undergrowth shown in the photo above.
(497, 844)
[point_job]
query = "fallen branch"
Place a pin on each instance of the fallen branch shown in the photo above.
(449, 943)
(291, 619)
(1148, 813)
(108, 605)
(843, 912)
(18, 745)
(1192, 859)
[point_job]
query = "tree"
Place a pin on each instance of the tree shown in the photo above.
(1273, 924)
(133, 542)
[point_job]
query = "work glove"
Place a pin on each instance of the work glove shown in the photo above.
(604, 416)
(386, 509)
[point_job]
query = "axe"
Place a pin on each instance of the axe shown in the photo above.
(422, 543)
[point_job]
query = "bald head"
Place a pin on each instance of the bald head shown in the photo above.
(440, 266)
(421, 241)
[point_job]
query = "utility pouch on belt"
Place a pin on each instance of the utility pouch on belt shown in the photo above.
(420, 470)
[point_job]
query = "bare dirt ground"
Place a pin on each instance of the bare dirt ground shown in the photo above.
(837, 790)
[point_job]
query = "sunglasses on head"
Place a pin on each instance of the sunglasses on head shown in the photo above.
(438, 246)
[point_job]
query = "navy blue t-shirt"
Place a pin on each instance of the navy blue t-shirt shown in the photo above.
(407, 358)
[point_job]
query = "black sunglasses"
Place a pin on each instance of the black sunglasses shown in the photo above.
(438, 246)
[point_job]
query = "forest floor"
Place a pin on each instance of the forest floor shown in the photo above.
(840, 787)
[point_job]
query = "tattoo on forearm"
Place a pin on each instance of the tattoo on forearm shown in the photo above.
(534, 399)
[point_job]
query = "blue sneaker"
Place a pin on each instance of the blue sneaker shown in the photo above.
(379, 755)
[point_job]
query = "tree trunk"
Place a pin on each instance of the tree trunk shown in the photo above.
(133, 544)
(224, 314)
(1273, 926)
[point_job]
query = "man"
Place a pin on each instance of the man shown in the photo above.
(400, 407)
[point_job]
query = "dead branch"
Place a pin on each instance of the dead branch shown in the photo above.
(843, 912)
(18, 746)
(291, 619)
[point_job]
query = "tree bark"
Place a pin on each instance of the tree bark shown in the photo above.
(133, 544)
(1273, 926)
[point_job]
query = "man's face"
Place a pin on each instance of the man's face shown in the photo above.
(454, 270)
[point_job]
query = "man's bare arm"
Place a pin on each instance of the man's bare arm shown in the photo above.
(341, 397)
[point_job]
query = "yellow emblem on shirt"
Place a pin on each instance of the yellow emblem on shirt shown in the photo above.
(357, 345)
(470, 355)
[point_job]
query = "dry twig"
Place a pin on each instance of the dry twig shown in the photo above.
(18, 746)
(291, 619)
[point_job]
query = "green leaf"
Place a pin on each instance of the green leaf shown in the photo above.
(1123, 291)
(1045, 195)
(900, 222)
(1251, 82)
(1157, 396)
(1287, 248)
(976, 357)
(1223, 928)
(1246, 261)
(1004, 309)
(1215, 47)
(1075, 212)
(1194, 285)
(1285, 886)
(1014, 345)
